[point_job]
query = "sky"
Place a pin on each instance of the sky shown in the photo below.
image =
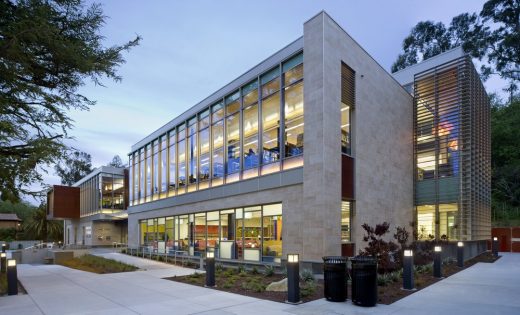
(192, 48)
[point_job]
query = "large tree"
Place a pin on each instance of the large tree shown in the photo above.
(116, 162)
(74, 167)
(48, 50)
(492, 36)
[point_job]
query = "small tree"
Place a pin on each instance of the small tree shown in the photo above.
(379, 248)
(116, 162)
(74, 167)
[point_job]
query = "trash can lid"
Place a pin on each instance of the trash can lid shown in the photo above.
(362, 259)
(334, 259)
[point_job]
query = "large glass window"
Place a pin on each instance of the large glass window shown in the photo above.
(173, 164)
(155, 190)
(233, 143)
(184, 233)
(212, 219)
(252, 233)
(272, 229)
(164, 166)
(118, 187)
(227, 234)
(217, 132)
(106, 191)
(204, 159)
(294, 124)
(141, 176)
(426, 222)
(181, 160)
(348, 99)
(271, 129)
(345, 221)
(192, 155)
(200, 234)
(137, 192)
(250, 150)
(149, 188)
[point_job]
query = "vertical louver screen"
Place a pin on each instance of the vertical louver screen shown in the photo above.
(348, 85)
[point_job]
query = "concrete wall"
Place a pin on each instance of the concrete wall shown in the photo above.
(100, 230)
(382, 140)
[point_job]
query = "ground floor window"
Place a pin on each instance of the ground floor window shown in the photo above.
(426, 221)
(251, 233)
(345, 221)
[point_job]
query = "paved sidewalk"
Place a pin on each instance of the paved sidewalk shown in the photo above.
(481, 289)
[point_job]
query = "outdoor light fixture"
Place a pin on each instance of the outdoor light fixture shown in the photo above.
(210, 269)
(293, 279)
(460, 254)
(437, 272)
(12, 277)
(3, 262)
(408, 283)
(494, 246)
(292, 258)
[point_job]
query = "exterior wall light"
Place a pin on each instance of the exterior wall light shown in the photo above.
(293, 279)
(210, 269)
(437, 272)
(460, 254)
(3, 262)
(12, 277)
(408, 281)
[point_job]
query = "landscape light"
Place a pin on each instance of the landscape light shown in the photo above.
(293, 279)
(292, 258)
(408, 253)
(460, 244)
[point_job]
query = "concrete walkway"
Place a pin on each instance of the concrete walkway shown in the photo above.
(481, 289)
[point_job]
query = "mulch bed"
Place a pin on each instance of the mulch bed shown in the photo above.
(230, 280)
(392, 292)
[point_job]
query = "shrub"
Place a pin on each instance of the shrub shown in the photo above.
(394, 276)
(268, 270)
(308, 288)
(219, 267)
(378, 248)
(241, 269)
(228, 284)
(253, 285)
(254, 270)
(383, 279)
(306, 275)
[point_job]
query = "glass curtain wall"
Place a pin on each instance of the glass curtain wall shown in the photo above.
(348, 99)
(238, 137)
(250, 234)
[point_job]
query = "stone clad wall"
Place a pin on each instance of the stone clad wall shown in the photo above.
(382, 141)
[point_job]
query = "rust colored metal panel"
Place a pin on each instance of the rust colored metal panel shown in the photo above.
(347, 177)
(515, 232)
(63, 203)
(348, 249)
(504, 238)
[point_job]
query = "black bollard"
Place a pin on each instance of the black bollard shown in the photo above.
(293, 279)
(4, 247)
(3, 262)
(408, 283)
(210, 269)
(494, 246)
(460, 254)
(437, 263)
(12, 277)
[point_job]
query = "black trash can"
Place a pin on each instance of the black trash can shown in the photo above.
(364, 281)
(335, 278)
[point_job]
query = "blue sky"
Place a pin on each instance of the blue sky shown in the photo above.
(192, 48)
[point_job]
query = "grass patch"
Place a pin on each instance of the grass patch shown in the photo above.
(97, 264)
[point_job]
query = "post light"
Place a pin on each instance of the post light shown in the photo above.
(4, 247)
(12, 277)
(210, 269)
(3, 262)
(494, 246)
(408, 282)
(437, 272)
(460, 254)
(293, 279)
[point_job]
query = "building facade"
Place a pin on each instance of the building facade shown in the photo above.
(295, 155)
(292, 156)
(452, 148)
(93, 209)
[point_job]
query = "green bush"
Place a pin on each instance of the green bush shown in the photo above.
(308, 288)
(241, 269)
(306, 275)
(254, 285)
(268, 270)
(254, 270)
(383, 279)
